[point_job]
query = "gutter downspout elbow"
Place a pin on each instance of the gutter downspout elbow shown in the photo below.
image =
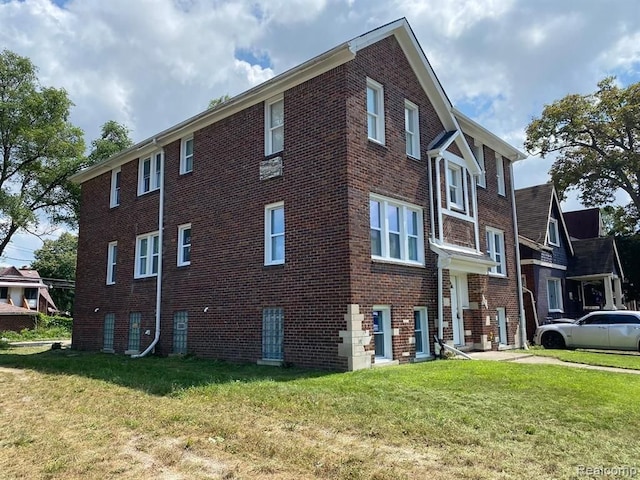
(156, 337)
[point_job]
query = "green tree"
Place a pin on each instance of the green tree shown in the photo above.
(40, 150)
(597, 141)
(56, 259)
(113, 139)
(218, 101)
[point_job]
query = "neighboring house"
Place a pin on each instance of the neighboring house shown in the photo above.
(565, 273)
(22, 296)
(336, 216)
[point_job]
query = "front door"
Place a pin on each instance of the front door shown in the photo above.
(456, 311)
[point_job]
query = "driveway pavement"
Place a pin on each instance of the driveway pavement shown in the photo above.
(517, 357)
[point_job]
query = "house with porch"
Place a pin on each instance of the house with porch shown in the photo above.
(22, 295)
(337, 216)
(565, 272)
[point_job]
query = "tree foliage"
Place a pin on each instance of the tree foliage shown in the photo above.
(39, 150)
(57, 259)
(218, 101)
(597, 141)
(113, 139)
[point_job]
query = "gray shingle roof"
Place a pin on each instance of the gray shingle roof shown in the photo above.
(532, 206)
(593, 256)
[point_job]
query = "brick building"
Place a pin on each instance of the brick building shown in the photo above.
(336, 216)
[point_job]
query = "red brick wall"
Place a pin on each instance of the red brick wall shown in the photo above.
(16, 323)
(330, 169)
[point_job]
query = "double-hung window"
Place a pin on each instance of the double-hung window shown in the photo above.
(186, 155)
(553, 232)
(184, 245)
(375, 111)
(421, 331)
(478, 152)
(500, 175)
(112, 261)
(274, 125)
(115, 188)
(411, 129)
(455, 190)
(274, 234)
(495, 249)
(554, 294)
(396, 231)
(147, 255)
(149, 173)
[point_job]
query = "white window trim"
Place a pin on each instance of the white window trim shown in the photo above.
(149, 255)
(492, 252)
(404, 236)
(268, 236)
(478, 150)
(558, 286)
(181, 245)
(411, 109)
(426, 352)
(268, 138)
(183, 154)
(112, 262)
(458, 206)
(554, 222)
(380, 124)
(154, 174)
(502, 189)
(387, 332)
(116, 189)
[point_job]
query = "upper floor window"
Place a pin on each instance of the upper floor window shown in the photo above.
(186, 155)
(274, 234)
(147, 255)
(411, 129)
(500, 175)
(184, 244)
(274, 125)
(115, 188)
(396, 231)
(553, 232)
(455, 189)
(149, 173)
(495, 249)
(375, 111)
(478, 151)
(112, 260)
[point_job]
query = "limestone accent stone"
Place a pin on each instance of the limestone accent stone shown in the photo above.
(487, 321)
(395, 332)
(446, 301)
(411, 340)
(271, 168)
(355, 340)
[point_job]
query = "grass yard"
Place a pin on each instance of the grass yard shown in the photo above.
(70, 415)
(630, 360)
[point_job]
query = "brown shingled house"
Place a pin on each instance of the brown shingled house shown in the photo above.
(22, 296)
(566, 272)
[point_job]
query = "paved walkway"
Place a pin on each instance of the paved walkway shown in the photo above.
(41, 343)
(518, 357)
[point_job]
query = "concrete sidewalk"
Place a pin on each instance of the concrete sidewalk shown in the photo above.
(519, 357)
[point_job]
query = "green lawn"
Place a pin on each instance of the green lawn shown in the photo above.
(630, 360)
(71, 415)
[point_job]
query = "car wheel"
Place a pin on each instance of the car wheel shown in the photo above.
(553, 341)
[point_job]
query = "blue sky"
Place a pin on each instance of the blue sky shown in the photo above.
(152, 63)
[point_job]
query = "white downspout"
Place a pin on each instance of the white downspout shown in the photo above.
(523, 322)
(433, 237)
(156, 338)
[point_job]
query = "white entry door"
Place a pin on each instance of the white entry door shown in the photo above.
(456, 309)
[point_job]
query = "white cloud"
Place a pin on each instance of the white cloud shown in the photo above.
(153, 63)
